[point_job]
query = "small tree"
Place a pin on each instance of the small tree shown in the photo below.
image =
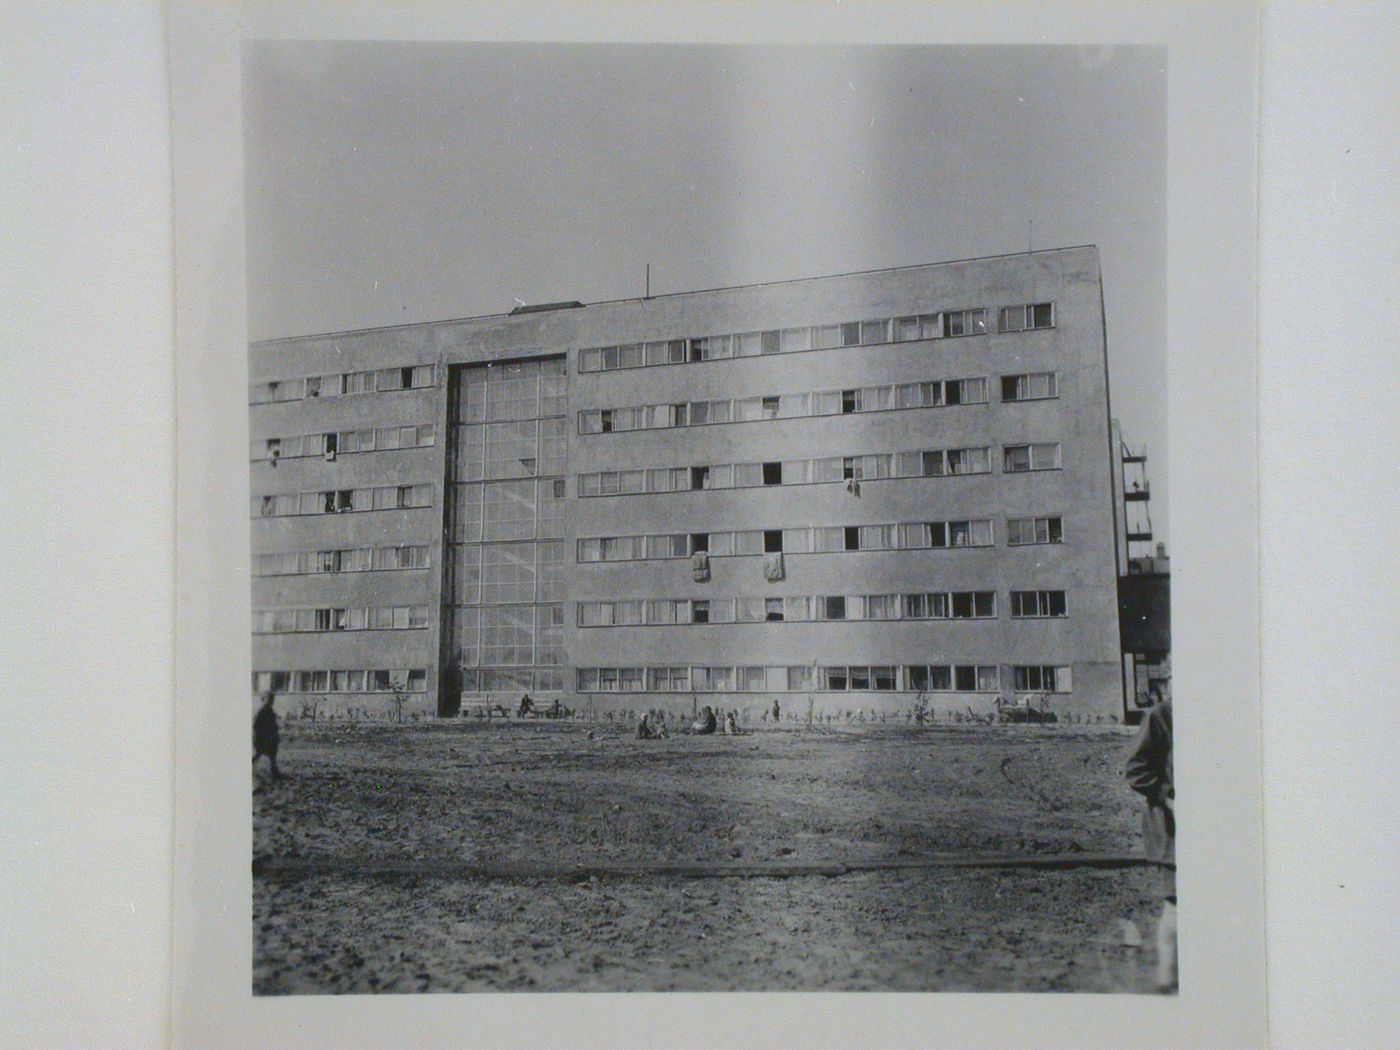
(921, 708)
(399, 699)
(311, 707)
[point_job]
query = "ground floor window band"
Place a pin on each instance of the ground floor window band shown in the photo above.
(953, 678)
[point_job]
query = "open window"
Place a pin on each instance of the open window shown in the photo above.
(773, 473)
(772, 541)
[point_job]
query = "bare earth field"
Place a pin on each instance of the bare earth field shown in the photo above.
(470, 856)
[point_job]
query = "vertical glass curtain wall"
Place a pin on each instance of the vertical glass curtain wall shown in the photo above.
(505, 524)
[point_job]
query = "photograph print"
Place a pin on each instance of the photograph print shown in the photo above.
(709, 518)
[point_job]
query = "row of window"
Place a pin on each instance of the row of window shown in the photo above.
(341, 442)
(340, 501)
(820, 539)
(960, 678)
(412, 680)
(937, 605)
(874, 466)
(353, 618)
(378, 380)
(351, 559)
(944, 325)
(1028, 386)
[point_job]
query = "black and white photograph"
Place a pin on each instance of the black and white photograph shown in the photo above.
(595, 525)
(709, 519)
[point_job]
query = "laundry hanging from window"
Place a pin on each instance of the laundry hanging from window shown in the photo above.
(700, 566)
(773, 566)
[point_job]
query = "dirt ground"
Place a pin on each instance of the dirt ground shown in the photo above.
(409, 858)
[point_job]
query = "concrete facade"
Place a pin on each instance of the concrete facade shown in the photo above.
(816, 661)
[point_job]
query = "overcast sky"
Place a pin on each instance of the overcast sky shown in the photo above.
(398, 182)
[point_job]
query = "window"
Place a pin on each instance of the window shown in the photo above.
(1023, 318)
(773, 610)
(958, 534)
(872, 332)
(752, 679)
(699, 477)
(969, 605)
(850, 401)
(968, 461)
(668, 545)
(1021, 458)
(772, 473)
(700, 611)
(799, 678)
(965, 322)
(410, 496)
(1037, 604)
(833, 607)
(1032, 386)
(1026, 531)
(772, 541)
(880, 606)
(794, 339)
(769, 407)
(965, 392)
(1042, 679)
(748, 541)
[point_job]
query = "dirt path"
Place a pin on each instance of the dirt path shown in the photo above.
(445, 796)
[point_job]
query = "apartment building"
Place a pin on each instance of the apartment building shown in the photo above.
(846, 492)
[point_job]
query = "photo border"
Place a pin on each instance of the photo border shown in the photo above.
(1212, 85)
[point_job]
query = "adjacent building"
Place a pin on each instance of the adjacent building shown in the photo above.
(847, 492)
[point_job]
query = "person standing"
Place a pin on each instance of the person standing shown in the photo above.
(1149, 773)
(266, 734)
(777, 711)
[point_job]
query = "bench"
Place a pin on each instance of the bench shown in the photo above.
(482, 709)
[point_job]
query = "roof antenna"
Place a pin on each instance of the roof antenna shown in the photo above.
(648, 291)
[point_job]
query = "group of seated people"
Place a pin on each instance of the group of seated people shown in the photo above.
(652, 724)
(554, 710)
